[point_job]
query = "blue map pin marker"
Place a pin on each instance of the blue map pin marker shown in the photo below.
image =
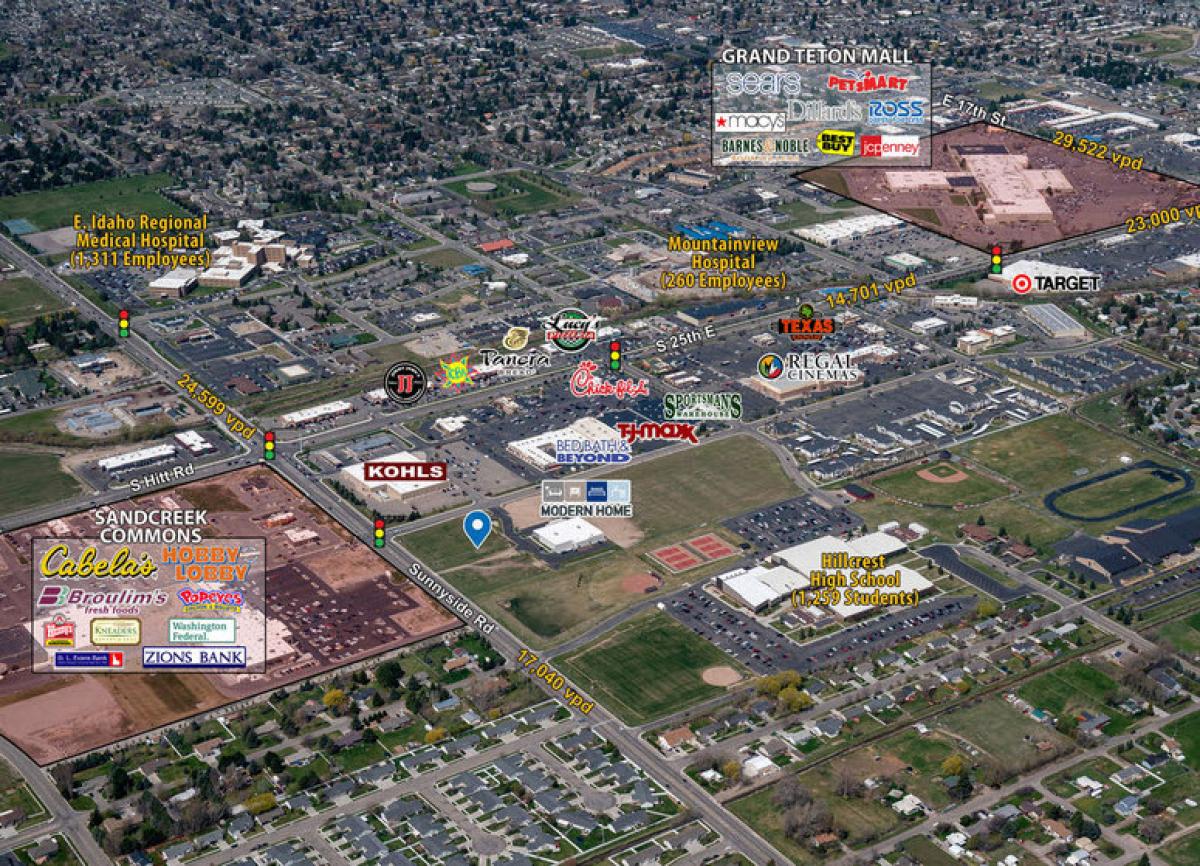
(478, 526)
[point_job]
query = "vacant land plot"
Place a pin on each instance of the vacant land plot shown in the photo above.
(1183, 634)
(1008, 735)
(917, 484)
(703, 485)
(32, 479)
(762, 816)
(446, 546)
(1187, 731)
(128, 196)
(646, 668)
(1074, 687)
(22, 299)
(1182, 852)
(1046, 454)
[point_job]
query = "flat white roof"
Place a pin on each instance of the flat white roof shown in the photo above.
(575, 531)
(132, 458)
(399, 488)
(312, 413)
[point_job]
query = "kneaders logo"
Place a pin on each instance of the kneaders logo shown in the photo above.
(891, 146)
(836, 142)
(864, 81)
(208, 599)
(750, 121)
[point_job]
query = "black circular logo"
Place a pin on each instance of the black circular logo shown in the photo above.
(405, 383)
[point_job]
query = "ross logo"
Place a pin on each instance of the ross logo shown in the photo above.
(633, 431)
(757, 121)
(864, 81)
(585, 384)
(51, 596)
(806, 325)
(809, 367)
(59, 631)
(726, 406)
(770, 83)
(514, 365)
(896, 111)
(890, 146)
(405, 383)
(571, 330)
(456, 373)
(397, 471)
(580, 451)
(770, 366)
(516, 339)
(211, 599)
(817, 111)
(836, 142)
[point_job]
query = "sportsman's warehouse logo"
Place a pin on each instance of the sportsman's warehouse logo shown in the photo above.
(724, 406)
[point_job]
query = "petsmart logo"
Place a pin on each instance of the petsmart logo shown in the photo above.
(890, 146)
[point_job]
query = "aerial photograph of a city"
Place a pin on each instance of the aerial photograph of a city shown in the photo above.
(606, 433)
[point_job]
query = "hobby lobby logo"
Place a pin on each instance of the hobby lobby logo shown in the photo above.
(890, 146)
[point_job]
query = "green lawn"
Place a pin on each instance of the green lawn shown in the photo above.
(22, 299)
(446, 545)
(906, 484)
(1182, 852)
(994, 726)
(447, 257)
(128, 196)
(1187, 731)
(32, 479)
(922, 849)
(1073, 687)
(1183, 634)
(514, 194)
(646, 668)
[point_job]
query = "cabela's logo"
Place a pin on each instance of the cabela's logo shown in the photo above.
(57, 562)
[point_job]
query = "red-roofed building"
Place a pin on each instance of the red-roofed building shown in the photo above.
(497, 246)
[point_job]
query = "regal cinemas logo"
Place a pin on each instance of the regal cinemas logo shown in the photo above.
(397, 471)
(864, 81)
(890, 146)
(750, 121)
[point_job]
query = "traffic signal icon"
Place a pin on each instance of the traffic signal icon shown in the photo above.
(268, 446)
(614, 355)
(379, 540)
(123, 323)
(997, 261)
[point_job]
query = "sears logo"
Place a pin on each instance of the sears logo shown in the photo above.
(896, 111)
(890, 146)
(751, 121)
(769, 83)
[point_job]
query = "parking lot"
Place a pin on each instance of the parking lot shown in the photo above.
(792, 522)
(765, 651)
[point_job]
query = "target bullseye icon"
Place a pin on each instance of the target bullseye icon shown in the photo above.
(1022, 284)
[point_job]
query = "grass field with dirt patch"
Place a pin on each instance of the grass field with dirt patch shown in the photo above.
(646, 668)
(908, 484)
(1006, 734)
(22, 299)
(1074, 687)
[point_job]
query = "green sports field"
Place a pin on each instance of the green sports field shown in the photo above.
(128, 196)
(513, 195)
(1045, 454)
(22, 299)
(907, 484)
(646, 668)
(1120, 491)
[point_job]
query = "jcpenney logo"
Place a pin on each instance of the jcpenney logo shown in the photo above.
(890, 146)
(751, 121)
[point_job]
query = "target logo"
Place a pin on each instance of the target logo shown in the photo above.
(1022, 284)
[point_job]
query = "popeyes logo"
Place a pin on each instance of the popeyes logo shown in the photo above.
(585, 384)
(865, 81)
(59, 631)
(211, 599)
